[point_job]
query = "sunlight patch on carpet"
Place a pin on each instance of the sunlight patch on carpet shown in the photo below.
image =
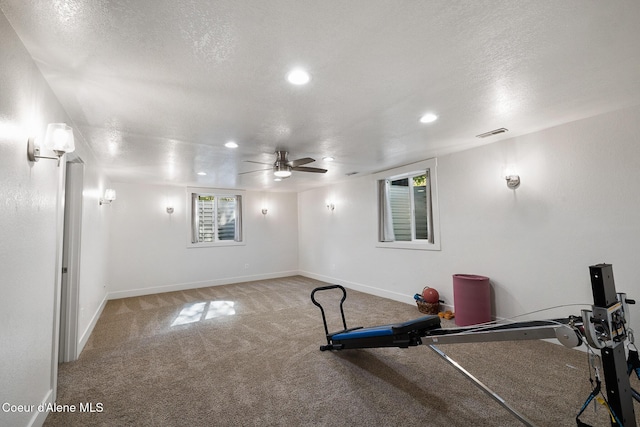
(204, 310)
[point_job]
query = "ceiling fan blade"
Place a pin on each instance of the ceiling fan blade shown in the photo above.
(260, 163)
(308, 169)
(257, 170)
(300, 162)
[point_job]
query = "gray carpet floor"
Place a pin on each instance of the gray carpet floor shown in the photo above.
(248, 355)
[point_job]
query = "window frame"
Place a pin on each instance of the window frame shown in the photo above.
(191, 215)
(409, 171)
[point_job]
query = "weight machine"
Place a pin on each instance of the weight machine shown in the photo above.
(605, 327)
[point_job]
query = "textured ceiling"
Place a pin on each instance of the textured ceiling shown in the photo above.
(157, 87)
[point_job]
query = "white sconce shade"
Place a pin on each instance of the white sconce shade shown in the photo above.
(109, 196)
(58, 138)
(510, 174)
(513, 181)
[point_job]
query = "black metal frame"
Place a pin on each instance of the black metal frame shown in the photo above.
(330, 345)
(614, 364)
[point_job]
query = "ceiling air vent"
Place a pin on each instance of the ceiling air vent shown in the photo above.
(492, 132)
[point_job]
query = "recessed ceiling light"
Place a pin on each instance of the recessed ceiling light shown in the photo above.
(298, 76)
(328, 159)
(428, 118)
(231, 144)
(202, 173)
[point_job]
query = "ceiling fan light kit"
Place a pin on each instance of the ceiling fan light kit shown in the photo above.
(282, 171)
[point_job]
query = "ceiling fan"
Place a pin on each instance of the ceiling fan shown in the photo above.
(283, 167)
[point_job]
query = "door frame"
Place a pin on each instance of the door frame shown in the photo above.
(72, 241)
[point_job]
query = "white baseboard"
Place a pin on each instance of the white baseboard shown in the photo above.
(196, 285)
(38, 418)
(360, 287)
(87, 333)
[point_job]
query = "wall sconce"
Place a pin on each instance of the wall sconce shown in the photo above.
(264, 211)
(330, 206)
(58, 138)
(109, 196)
(513, 181)
(169, 210)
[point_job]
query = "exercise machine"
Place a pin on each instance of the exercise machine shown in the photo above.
(605, 327)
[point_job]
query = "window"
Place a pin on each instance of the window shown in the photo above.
(407, 207)
(216, 218)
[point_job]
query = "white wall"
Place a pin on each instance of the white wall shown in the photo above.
(577, 206)
(31, 234)
(148, 250)
(94, 251)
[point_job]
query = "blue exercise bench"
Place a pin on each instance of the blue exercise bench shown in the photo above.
(403, 335)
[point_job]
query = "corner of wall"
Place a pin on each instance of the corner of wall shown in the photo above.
(92, 324)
